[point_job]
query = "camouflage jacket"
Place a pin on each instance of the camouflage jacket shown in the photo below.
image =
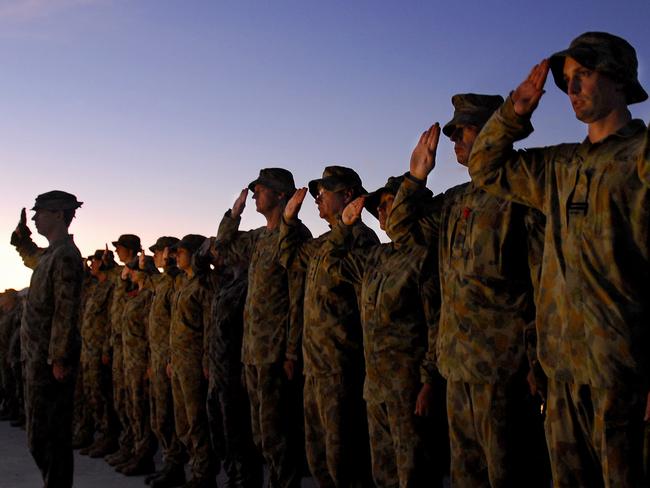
(9, 324)
(135, 327)
(399, 304)
(50, 322)
(593, 307)
(644, 160)
(224, 337)
(190, 319)
(120, 290)
(95, 322)
(486, 292)
(160, 315)
(274, 301)
(331, 338)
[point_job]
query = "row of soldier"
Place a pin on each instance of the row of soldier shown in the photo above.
(260, 344)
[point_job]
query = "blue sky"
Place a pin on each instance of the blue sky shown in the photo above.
(156, 113)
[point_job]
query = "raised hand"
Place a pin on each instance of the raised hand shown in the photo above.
(527, 95)
(141, 260)
(240, 204)
(293, 205)
(423, 158)
(106, 258)
(352, 210)
(22, 224)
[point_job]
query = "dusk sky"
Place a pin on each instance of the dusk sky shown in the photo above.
(156, 113)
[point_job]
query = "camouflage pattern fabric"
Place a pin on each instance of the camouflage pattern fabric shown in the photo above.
(644, 160)
(161, 402)
(190, 317)
(610, 420)
(592, 301)
(9, 324)
(49, 333)
(135, 348)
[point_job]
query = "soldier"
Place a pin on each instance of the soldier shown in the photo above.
(189, 320)
(135, 344)
(95, 343)
(487, 303)
(593, 309)
(400, 302)
(9, 324)
(162, 409)
(50, 334)
(228, 407)
(336, 434)
(127, 247)
(16, 364)
(272, 324)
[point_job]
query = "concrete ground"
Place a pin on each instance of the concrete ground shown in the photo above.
(17, 468)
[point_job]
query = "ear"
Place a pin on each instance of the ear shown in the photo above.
(348, 196)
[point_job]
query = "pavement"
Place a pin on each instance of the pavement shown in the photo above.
(17, 468)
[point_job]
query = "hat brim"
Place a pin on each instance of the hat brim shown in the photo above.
(462, 120)
(372, 201)
(333, 184)
(634, 92)
(270, 184)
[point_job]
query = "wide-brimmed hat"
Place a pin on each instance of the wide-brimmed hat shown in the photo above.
(191, 242)
(130, 241)
(337, 178)
(277, 179)
(149, 265)
(163, 242)
(471, 109)
(607, 54)
(56, 200)
(372, 200)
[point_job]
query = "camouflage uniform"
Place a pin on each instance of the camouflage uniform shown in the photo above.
(17, 368)
(162, 408)
(189, 319)
(135, 347)
(272, 333)
(95, 342)
(487, 302)
(396, 281)
(49, 334)
(336, 435)
(9, 324)
(592, 302)
(228, 406)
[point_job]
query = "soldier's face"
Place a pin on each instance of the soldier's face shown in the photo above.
(46, 220)
(330, 203)
(593, 95)
(158, 258)
(384, 207)
(95, 265)
(265, 198)
(463, 138)
(124, 253)
(183, 258)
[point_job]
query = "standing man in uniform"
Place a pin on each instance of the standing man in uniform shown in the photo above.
(272, 324)
(593, 307)
(336, 432)
(50, 334)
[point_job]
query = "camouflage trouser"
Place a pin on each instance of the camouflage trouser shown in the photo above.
(48, 412)
(336, 432)
(189, 390)
(401, 443)
(230, 427)
(8, 384)
(96, 387)
(120, 397)
(82, 419)
(137, 388)
(274, 435)
(162, 414)
(491, 431)
(595, 436)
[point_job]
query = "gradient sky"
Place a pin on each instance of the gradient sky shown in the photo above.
(156, 113)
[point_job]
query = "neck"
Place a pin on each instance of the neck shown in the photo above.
(608, 125)
(57, 234)
(141, 285)
(189, 272)
(273, 217)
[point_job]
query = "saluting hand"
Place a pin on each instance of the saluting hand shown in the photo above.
(240, 204)
(22, 224)
(352, 210)
(105, 256)
(292, 208)
(527, 95)
(423, 158)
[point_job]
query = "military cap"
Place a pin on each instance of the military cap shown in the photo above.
(149, 265)
(163, 242)
(372, 200)
(130, 241)
(56, 200)
(278, 179)
(607, 54)
(471, 109)
(191, 242)
(337, 178)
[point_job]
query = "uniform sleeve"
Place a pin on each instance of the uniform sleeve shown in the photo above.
(106, 338)
(496, 167)
(296, 280)
(209, 297)
(344, 261)
(644, 160)
(29, 252)
(295, 250)
(430, 293)
(233, 244)
(67, 278)
(415, 215)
